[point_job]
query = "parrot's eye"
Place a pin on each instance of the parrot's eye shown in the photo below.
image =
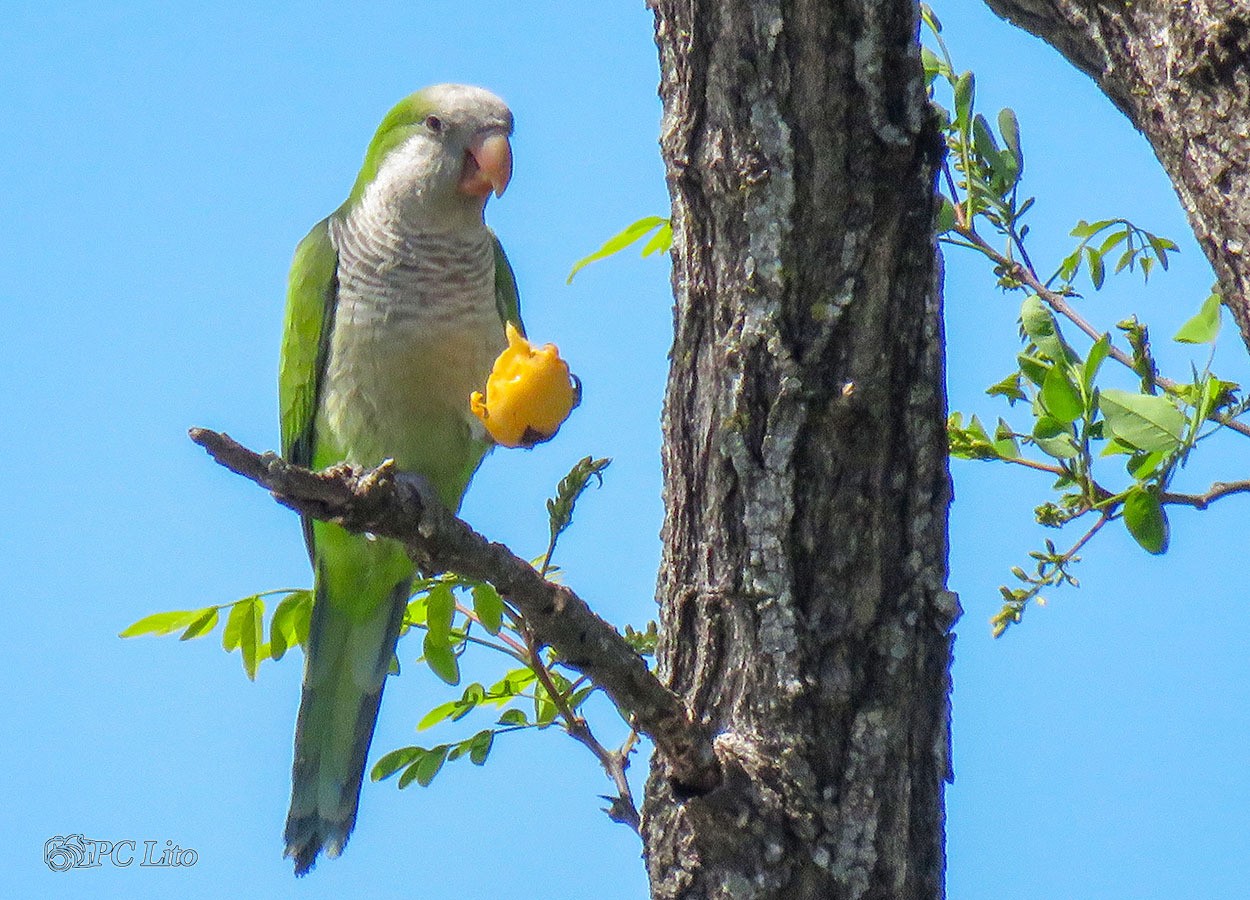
(434, 123)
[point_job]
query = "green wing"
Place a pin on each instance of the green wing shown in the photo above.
(506, 298)
(311, 294)
(312, 290)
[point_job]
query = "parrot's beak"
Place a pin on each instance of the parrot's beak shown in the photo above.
(487, 165)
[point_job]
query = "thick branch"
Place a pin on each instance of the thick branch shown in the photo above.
(381, 501)
(1181, 73)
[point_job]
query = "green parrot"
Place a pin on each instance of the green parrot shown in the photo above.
(396, 307)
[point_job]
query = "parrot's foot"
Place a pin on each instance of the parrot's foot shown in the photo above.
(430, 501)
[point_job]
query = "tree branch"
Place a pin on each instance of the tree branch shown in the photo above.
(382, 501)
(1202, 501)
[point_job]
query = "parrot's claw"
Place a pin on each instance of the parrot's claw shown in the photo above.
(430, 501)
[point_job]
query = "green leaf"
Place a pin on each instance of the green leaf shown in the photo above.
(1054, 438)
(560, 507)
(1146, 521)
(1142, 465)
(1143, 421)
(392, 762)
(162, 623)
(983, 139)
(1033, 368)
(1113, 241)
(289, 625)
(440, 657)
(440, 607)
(513, 717)
(1161, 246)
(479, 746)
(244, 631)
(1097, 354)
(1060, 396)
(965, 89)
(619, 242)
(1009, 387)
(578, 697)
(1041, 328)
(440, 713)
(1005, 440)
(1204, 327)
(488, 607)
(201, 626)
(1009, 128)
(661, 241)
(429, 765)
(1085, 229)
(946, 215)
(1097, 273)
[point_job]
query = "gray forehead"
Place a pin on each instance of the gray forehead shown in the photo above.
(465, 102)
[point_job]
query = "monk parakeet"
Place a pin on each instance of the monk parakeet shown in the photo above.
(396, 308)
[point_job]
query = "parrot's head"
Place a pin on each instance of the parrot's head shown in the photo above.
(441, 152)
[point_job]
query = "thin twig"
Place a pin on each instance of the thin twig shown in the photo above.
(1215, 492)
(622, 809)
(1059, 304)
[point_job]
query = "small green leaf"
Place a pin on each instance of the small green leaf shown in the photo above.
(162, 623)
(1060, 396)
(488, 607)
(1097, 354)
(1142, 465)
(479, 746)
(946, 215)
(440, 713)
(392, 762)
(513, 717)
(661, 241)
(965, 89)
(1085, 229)
(1054, 438)
(1146, 521)
(1096, 271)
(440, 657)
(440, 607)
(1204, 327)
(578, 697)
(1009, 128)
(289, 626)
(244, 628)
(201, 626)
(1009, 387)
(429, 765)
(619, 242)
(983, 139)
(1041, 328)
(1143, 421)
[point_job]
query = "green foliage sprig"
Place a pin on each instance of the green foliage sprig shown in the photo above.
(537, 691)
(1079, 423)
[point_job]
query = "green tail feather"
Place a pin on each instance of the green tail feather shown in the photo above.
(344, 673)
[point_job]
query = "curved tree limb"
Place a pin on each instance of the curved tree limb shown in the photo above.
(383, 502)
(1181, 73)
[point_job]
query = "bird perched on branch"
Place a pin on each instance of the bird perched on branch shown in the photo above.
(396, 308)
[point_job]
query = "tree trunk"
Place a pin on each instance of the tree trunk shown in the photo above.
(1181, 73)
(804, 611)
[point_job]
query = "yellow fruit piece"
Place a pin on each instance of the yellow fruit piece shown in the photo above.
(528, 395)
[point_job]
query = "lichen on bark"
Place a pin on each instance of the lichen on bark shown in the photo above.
(804, 612)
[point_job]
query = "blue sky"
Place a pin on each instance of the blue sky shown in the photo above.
(159, 169)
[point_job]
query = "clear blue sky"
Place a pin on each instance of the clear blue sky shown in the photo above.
(159, 167)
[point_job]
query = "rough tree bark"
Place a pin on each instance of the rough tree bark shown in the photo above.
(1181, 72)
(804, 612)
